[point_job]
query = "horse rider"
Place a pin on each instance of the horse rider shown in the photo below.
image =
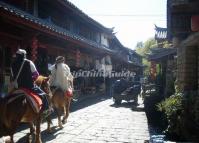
(61, 76)
(25, 73)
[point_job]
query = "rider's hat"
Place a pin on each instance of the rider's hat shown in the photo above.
(21, 52)
(60, 59)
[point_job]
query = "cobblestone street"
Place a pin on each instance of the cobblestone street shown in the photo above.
(98, 121)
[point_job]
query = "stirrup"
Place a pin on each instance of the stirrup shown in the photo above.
(47, 112)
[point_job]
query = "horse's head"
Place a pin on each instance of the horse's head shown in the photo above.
(43, 83)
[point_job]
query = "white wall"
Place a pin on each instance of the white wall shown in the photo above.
(104, 39)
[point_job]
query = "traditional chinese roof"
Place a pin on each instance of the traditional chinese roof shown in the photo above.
(81, 14)
(160, 53)
(45, 26)
(160, 33)
(134, 61)
(117, 42)
(131, 51)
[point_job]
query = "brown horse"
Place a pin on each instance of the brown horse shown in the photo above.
(60, 102)
(17, 110)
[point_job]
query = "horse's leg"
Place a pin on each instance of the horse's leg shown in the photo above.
(8, 139)
(67, 108)
(38, 130)
(12, 138)
(32, 132)
(59, 117)
(49, 130)
(13, 130)
(65, 114)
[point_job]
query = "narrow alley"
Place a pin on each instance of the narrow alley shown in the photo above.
(98, 120)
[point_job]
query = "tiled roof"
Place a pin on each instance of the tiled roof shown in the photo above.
(160, 33)
(49, 26)
(158, 53)
(122, 58)
(118, 42)
(84, 16)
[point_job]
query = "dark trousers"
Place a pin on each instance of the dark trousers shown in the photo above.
(42, 95)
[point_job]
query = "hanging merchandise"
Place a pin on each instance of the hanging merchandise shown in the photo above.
(34, 46)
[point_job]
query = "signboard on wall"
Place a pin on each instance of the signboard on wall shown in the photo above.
(195, 23)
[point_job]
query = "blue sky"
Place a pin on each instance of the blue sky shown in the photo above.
(133, 19)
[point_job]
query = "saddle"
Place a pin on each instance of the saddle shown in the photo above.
(34, 100)
(68, 93)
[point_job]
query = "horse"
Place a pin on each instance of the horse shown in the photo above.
(60, 102)
(15, 110)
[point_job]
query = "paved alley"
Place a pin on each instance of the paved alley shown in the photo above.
(98, 121)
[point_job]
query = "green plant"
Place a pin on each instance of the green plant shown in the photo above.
(182, 114)
(173, 109)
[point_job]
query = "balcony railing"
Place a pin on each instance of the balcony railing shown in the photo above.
(50, 26)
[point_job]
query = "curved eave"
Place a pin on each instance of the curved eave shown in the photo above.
(81, 14)
(26, 19)
(162, 54)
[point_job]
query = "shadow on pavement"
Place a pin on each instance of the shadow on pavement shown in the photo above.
(44, 134)
(123, 104)
(132, 105)
(88, 102)
(75, 106)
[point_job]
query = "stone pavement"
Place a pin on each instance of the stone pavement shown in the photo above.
(98, 121)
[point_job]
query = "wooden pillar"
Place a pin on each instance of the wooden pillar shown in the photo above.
(175, 42)
(180, 67)
(191, 72)
(35, 11)
(27, 5)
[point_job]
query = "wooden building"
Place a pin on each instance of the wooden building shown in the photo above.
(125, 58)
(47, 29)
(46, 33)
(183, 27)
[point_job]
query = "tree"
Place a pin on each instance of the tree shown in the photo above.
(143, 49)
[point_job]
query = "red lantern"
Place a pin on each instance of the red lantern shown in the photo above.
(34, 46)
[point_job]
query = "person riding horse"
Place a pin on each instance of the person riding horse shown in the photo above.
(24, 73)
(61, 76)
